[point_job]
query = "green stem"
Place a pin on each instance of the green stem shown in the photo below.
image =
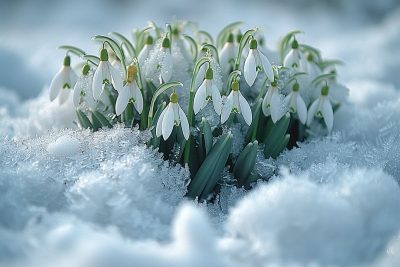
(245, 39)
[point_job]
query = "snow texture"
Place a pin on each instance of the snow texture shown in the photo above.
(74, 198)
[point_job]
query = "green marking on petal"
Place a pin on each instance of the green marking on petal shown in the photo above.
(66, 86)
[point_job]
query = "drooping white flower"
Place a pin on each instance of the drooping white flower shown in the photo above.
(296, 104)
(274, 103)
(171, 116)
(207, 91)
(228, 54)
(130, 92)
(144, 53)
(236, 103)
(294, 58)
(105, 74)
(63, 82)
(322, 108)
(256, 62)
(83, 89)
(165, 65)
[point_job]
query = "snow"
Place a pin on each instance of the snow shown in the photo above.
(70, 197)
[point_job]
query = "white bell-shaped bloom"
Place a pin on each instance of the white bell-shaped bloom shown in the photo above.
(63, 82)
(144, 53)
(322, 108)
(256, 62)
(294, 58)
(83, 89)
(165, 64)
(236, 103)
(207, 91)
(171, 116)
(274, 103)
(227, 55)
(130, 93)
(296, 104)
(105, 74)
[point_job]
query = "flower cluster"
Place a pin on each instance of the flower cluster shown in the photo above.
(275, 99)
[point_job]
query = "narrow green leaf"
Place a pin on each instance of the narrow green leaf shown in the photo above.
(75, 50)
(103, 120)
(207, 135)
(210, 171)
(83, 120)
(193, 46)
(128, 44)
(245, 163)
(275, 133)
(223, 34)
(280, 146)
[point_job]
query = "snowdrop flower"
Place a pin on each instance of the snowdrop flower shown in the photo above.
(273, 103)
(104, 75)
(236, 103)
(144, 53)
(227, 55)
(206, 92)
(171, 116)
(293, 59)
(83, 89)
(322, 108)
(296, 104)
(130, 93)
(63, 82)
(165, 65)
(256, 62)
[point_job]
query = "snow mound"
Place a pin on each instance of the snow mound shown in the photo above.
(64, 146)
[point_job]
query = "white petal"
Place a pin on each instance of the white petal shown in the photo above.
(301, 109)
(265, 109)
(138, 98)
(166, 67)
(245, 109)
(200, 98)
(184, 123)
(144, 54)
(277, 106)
(63, 96)
(73, 78)
(122, 100)
(225, 56)
(250, 72)
(115, 76)
(327, 113)
(217, 100)
(227, 108)
(311, 112)
(289, 59)
(159, 123)
(56, 84)
(77, 93)
(267, 68)
(288, 99)
(168, 121)
(97, 85)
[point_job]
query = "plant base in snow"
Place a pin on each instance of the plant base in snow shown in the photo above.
(240, 98)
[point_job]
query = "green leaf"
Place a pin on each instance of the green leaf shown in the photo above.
(193, 46)
(93, 59)
(114, 46)
(96, 123)
(103, 120)
(253, 128)
(210, 171)
(207, 35)
(280, 146)
(75, 50)
(207, 135)
(83, 120)
(223, 34)
(275, 134)
(245, 163)
(128, 44)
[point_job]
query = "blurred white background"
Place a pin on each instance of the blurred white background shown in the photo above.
(362, 33)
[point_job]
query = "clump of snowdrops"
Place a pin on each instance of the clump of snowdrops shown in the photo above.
(213, 105)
